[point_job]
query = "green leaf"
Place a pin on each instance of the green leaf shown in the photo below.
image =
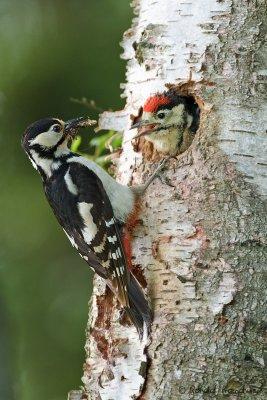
(100, 147)
(76, 144)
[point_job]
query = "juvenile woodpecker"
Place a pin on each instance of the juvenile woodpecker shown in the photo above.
(91, 207)
(169, 121)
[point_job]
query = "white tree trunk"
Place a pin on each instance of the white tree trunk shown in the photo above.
(201, 242)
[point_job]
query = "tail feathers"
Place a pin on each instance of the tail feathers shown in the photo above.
(138, 311)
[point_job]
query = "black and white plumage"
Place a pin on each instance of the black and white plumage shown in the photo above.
(90, 206)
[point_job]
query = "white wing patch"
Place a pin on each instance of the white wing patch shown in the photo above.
(69, 182)
(90, 229)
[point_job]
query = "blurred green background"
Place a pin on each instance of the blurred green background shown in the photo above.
(50, 51)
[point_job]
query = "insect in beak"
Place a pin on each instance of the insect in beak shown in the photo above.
(72, 126)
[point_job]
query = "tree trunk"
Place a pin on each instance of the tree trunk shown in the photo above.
(201, 242)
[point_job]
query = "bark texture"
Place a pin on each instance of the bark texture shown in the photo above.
(201, 244)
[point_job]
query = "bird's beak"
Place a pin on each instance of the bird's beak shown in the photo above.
(140, 124)
(72, 126)
(144, 127)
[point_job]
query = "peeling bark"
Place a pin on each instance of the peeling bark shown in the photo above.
(201, 244)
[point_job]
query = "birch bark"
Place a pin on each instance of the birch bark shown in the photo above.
(201, 244)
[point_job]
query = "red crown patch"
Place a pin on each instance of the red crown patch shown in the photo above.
(154, 102)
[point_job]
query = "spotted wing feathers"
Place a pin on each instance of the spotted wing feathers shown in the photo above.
(84, 211)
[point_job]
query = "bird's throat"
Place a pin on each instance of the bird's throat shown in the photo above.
(166, 141)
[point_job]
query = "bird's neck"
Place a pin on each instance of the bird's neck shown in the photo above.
(166, 140)
(46, 162)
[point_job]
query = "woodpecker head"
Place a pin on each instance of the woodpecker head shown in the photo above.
(164, 119)
(48, 138)
(47, 134)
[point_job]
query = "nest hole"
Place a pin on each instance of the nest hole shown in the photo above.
(167, 123)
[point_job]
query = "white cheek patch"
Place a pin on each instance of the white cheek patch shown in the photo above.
(47, 139)
(176, 117)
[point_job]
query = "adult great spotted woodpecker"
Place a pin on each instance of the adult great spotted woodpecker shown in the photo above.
(91, 207)
(169, 121)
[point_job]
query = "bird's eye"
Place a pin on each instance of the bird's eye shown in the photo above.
(161, 115)
(56, 128)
